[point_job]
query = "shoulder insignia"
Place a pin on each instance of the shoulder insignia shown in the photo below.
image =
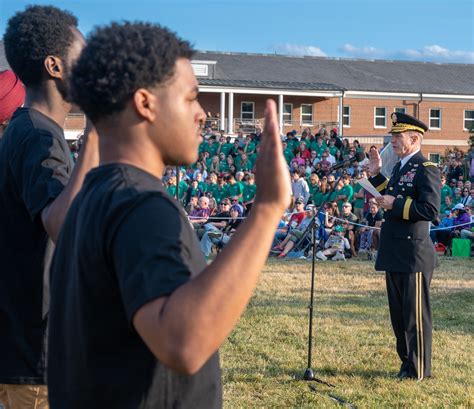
(430, 164)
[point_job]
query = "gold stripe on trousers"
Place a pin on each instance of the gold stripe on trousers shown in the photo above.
(419, 326)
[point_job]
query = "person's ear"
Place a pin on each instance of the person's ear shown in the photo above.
(54, 66)
(146, 104)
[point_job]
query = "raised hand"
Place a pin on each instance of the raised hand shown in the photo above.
(271, 175)
(375, 162)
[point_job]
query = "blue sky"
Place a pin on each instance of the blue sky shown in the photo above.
(422, 30)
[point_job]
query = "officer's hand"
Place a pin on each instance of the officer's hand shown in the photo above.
(385, 201)
(375, 162)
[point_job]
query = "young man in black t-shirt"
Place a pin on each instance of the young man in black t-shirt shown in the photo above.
(137, 316)
(37, 184)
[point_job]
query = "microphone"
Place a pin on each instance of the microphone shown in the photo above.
(359, 157)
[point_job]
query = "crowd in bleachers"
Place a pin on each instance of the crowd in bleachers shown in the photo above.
(219, 189)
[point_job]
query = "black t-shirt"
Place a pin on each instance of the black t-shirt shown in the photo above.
(125, 242)
(35, 165)
(377, 217)
(219, 217)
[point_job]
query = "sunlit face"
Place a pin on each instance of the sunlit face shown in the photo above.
(405, 143)
(177, 129)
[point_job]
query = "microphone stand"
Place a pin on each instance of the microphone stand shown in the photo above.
(309, 373)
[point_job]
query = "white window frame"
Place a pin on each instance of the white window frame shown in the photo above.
(287, 121)
(431, 159)
(303, 122)
(247, 112)
(348, 116)
(434, 117)
(467, 119)
(403, 112)
(380, 116)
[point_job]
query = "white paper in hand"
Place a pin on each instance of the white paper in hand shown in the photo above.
(364, 182)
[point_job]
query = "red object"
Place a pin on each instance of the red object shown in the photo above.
(12, 94)
(440, 248)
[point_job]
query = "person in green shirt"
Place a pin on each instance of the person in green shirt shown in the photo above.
(223, 165)
(249, 145)
(211, 183)
(291, 141)
(322, 195)
(234, 188)
(445, 189)
(242, 163)
(214, 165)
(250, 189)
(253, 156)
(345, 193)
(313, 184)
(201, 184)
(171, 186)
(287, 153)
(221, 190)
(319, 147)
(235, 148)
(225, 145)
(457, 196)
(332, 147)
(447, 204)
(346, 147)
(358, 147)
(239, 178)
(359, 195)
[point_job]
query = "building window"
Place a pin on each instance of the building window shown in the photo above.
(247, 111)
(287, 113)
(200, 70)
(434, 157)
(307, 114)
(380, 117)
(435, 118)
(468, 120)
(346, 117)
(400, 110)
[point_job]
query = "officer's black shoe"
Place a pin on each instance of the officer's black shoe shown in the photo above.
(405, 375)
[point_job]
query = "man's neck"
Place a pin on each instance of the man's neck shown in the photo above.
(126, 144)
(47, 100)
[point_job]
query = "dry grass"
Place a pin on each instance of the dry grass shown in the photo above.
(265, 357)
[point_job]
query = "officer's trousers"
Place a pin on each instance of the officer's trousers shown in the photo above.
(410, 313)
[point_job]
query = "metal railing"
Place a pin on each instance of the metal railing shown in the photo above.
(250, 125)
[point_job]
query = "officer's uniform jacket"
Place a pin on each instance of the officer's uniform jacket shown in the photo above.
(405, 244)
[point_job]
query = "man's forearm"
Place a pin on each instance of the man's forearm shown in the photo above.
(198, 316)
(54, 214)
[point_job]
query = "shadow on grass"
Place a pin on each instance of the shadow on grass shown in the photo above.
(273, 370)
(452, 310)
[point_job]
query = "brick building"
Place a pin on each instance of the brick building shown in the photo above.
(314, 91)
(360, 94)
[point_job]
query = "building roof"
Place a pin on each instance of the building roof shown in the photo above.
(245, 83)
(348, 74)
(264, 71)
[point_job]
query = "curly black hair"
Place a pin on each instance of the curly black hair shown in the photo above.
(118, 60)
(32, 35)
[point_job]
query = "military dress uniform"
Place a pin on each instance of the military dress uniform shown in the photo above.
(407, 255)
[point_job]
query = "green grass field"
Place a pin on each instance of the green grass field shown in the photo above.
(265, 357)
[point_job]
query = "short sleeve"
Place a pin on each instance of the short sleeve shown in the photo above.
(41, 168)
(147, 252)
